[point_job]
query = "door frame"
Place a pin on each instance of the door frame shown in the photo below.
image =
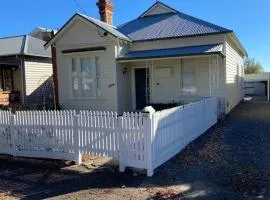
(133, 87)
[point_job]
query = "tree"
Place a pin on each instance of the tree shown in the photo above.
(252, 66)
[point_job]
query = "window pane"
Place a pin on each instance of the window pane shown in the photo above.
(74, 71)
(87, 86)
(97, 66)
(98, 88)
(189, 77)
(75, 87)
(86, 66)
(8, 80)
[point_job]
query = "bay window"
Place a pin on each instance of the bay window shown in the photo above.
(85, 77)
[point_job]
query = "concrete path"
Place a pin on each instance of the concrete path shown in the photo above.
(230, 161)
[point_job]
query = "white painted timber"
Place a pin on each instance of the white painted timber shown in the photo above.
(140, 140)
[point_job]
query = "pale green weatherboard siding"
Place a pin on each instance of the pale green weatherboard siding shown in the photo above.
(235, 91)
(81, 35)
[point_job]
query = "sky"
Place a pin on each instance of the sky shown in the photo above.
(250, 19)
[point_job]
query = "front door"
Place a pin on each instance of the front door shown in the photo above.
(142, 87)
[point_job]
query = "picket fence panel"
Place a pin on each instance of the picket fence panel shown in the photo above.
(140, 140)
(133, 140)
(45, 134)
(5, 136)
(175, 128)
(99, 133)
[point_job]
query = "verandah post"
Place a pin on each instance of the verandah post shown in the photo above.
(76, 135)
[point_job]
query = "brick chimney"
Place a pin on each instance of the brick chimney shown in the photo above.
(46, 36)
(106, 11)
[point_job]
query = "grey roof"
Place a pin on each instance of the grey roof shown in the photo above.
(23, 45)
(111, 29)
(169, 25)
(174, 52)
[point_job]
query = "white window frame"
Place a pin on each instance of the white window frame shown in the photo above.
(97, 94)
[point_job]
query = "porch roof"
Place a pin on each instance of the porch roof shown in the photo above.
(173, 52)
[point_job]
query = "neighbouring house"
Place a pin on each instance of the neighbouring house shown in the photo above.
(258, 85)
(25, 70)
(163, 56)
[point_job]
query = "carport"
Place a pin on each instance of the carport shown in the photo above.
(258, 85)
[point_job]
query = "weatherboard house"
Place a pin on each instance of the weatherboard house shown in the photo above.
(25, 69)
(162, 56)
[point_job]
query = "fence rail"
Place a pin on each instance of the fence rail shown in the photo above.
(141, 140)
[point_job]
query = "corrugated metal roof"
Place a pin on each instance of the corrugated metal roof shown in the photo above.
(174, 52)
(111, 29)
(169, 25)
(35, 47)
(11, 45)
(23, 45)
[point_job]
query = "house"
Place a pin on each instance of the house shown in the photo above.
(162, 56)
(258, 85)
(25, 70)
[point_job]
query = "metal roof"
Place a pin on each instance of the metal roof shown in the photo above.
(174, 52)
(23, 45)
(170, 25)
(11, 45)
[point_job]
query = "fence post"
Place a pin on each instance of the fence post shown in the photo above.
(12, 134)
(76, 133)
(149, 141)
(122, 165)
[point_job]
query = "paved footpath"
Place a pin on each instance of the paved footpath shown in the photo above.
(230, 161)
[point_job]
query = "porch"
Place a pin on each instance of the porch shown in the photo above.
(171, 79)
(10, 82)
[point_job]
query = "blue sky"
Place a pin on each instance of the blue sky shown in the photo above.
(249, 19)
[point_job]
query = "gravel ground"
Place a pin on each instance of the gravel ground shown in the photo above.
(230, 161)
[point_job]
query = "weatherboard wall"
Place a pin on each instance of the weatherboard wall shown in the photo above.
(234, 76)
(81, 35)
(37, 75)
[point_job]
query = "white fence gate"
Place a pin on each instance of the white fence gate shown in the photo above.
(141, 140)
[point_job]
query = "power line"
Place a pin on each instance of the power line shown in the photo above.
(79, 6)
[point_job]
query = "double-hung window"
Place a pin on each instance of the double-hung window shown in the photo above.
(189, 84)
(85, 76)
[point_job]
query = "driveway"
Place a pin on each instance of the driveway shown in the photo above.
(230, 161)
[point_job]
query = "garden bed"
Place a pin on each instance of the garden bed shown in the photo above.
(163, 106)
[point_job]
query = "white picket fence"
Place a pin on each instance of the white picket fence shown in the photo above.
(175, 128)
(140, 140)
